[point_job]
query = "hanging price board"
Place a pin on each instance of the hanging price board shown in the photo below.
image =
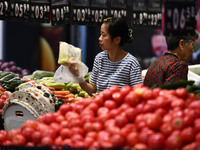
(81, 12)
(19, 10)
(99, 11)
(4, 9)
(60, 12)
(146, 13)
(118, 8)
(40, 11)
(180, 16)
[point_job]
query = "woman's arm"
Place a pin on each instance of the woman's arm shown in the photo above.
(88, 87)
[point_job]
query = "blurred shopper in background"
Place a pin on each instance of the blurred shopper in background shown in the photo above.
(112, 66)
(172, 67)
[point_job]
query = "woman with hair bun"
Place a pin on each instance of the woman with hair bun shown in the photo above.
(112, 66)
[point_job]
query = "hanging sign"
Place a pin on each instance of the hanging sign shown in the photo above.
(4, 9)
(40, 11)
(180, 17)
(81, 12)
(60, 12)
(146, 13)
(118, 8)
(99, 11)
(19, 10)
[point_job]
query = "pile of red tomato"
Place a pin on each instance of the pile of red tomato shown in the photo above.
(3, 98)
(135, 117)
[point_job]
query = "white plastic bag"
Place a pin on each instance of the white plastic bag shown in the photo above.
(63, 75)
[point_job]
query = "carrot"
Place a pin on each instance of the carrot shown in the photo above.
(70, 95)
(61, 92)
(61, 96)
(52, 89)
(27, 80)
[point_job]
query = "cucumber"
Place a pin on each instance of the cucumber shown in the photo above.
(7, 77)
(4, 74)
(176, 85)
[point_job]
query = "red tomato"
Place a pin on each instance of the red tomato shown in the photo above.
(49, 133)
(65, 133)
(154, 121)
(118, 97)
(125, 90)
(49, 118)
(124, 107)
(117, 140)
(178, 103)
(102, 110)
(56, 127)
(194, 104)
(92, 134)
(156, 92)
(19, 140)
(99, 100)
(46, 141)
(97, 126)
(87, 118)
(2, 89)
(113, 113)
(58, 140)
(131, 114)
(13, 133)
(188, 134)
(148, 94)
(27, 133)
(93, 106)
(110, 104)
(166, 129)
(88, 141)
(36, 137)
(77, 130)
(174, 141)
(177, 123)
(76, 122)
(141, 146)
(114, 88)
(3, 136)
(107, 94)
(139, 107)
(65, 108)
(144, 135)
(60, 118)
(181, 92)
(132, 138)
(87, 127)
(121, 120)
(160, 111)
(197, 137)
(131, 98)
(156, 141)
(4, 97)
(1, 103)
(197, 125)
(78, 108)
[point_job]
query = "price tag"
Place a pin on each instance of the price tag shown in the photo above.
(4, 9)
(99, 11)
(40, 11)
(60, 12)
(19, 10)
(81, 12)
(147, 14)
(180, 16)
(118, 9)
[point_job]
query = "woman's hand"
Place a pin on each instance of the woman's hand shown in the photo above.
(73, 67)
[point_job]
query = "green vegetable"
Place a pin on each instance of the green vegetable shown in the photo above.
(39, 74)
(176, 85)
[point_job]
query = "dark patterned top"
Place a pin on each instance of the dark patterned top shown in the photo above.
(167, 69)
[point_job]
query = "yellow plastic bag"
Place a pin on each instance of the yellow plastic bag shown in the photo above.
(66, 51)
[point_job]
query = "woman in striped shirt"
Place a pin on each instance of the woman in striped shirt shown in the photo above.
(112, 66)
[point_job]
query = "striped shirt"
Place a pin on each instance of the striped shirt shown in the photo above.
(106, 73)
